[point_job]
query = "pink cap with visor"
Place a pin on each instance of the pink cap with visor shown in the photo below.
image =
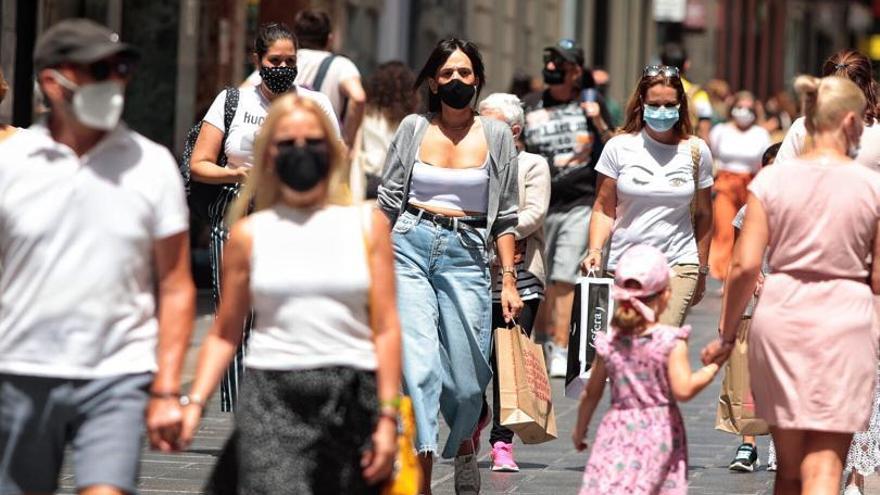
(646, 265)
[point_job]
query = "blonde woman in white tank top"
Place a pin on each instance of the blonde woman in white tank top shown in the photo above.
(323, 361)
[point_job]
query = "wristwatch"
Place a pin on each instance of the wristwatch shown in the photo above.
(704, 270)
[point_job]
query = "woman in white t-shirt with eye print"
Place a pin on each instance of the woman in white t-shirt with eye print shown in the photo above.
(645, 189)
(275, 56)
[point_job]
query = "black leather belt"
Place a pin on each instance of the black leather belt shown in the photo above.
(447, 222)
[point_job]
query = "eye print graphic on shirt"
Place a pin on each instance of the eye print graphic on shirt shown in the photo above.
(678, 178)
(642, 179)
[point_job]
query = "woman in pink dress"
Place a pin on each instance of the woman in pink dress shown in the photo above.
(642, 448)
(813, 345)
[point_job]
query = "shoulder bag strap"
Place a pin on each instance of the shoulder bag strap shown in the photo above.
(229, 108)
(696, 157)
(322, 72)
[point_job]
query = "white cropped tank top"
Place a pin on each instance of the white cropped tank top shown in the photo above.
(461, 189)
(310, 287)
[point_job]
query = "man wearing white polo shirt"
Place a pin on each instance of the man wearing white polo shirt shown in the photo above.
(96, 297)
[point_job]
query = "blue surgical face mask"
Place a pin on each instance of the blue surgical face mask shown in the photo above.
(660, 119)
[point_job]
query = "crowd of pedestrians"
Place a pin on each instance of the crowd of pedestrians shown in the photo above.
(368, 236)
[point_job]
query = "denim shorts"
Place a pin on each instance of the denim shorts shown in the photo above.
(444, 301)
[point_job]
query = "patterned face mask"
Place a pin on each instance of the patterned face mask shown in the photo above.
(278, 79)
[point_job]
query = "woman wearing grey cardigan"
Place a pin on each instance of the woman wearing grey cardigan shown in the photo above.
(449, 187)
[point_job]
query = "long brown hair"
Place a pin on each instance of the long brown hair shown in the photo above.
(857, 68)
(635, 122)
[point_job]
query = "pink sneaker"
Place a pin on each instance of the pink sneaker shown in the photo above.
(502, 458)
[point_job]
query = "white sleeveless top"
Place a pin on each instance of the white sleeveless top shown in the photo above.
(463, 189)
(310, 289)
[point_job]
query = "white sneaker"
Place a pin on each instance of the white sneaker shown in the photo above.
(558, 361)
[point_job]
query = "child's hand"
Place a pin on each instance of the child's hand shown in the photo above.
(578, 438)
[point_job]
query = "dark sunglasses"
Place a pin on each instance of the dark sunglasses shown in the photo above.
(664, 70)
(103, 69)
(308, 142)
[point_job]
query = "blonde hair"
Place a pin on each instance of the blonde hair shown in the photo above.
(627, 319)
(262, 183)
(826, 101)
(3, 86)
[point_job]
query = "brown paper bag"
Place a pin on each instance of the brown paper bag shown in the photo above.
(736, 407)
(525, 396)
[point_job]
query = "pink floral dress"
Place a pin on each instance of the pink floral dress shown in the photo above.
(640, 447)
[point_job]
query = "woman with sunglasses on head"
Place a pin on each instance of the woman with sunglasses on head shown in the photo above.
(318, 408)
(737, 146)
(225, 156)
(647, 192)
(450, 190)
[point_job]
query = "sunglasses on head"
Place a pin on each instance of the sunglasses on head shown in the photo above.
(566, 43)
(664, 70)
(103, 69)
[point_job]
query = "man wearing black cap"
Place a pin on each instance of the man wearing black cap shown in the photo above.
(567, 125)
(96, 298)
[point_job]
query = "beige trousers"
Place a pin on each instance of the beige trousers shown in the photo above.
(683, 286)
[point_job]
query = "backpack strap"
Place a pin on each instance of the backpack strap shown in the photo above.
(230, 105)
(322, 72)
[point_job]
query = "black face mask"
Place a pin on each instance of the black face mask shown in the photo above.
(278, 79)
(456, 94)
(302, 167)
(553, 77)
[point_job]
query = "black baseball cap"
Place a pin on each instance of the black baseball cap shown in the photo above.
(569, 50)
(79, 41)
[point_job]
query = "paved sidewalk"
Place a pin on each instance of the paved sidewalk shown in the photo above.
(551, 468)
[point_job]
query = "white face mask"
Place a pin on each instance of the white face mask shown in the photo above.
(97, 105)
(743, 116)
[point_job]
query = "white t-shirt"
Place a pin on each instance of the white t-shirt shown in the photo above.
(869, 146)
(655, 188)
(249, 116)
(341, 69)
(738, 151)
(76, 245)
(310, 285)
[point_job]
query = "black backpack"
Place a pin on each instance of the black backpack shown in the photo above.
(199, 195)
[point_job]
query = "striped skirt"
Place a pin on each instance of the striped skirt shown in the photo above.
(219, 233)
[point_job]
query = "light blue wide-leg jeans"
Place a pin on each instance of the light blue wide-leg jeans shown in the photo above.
(444, 300)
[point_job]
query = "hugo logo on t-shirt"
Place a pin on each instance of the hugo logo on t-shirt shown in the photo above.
(252, 119)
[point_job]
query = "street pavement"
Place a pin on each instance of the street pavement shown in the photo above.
(550, 468)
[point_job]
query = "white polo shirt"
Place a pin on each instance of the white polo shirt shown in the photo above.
(76, 246)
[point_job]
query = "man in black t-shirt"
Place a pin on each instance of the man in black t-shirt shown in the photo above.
(569, 133)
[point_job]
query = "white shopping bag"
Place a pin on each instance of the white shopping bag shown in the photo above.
(591, 314)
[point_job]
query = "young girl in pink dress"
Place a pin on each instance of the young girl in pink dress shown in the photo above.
(642, 444)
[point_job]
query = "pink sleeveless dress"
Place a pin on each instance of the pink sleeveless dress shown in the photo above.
(813, 342)
(640, 447)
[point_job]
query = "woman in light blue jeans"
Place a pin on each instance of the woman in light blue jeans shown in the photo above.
(450, 187)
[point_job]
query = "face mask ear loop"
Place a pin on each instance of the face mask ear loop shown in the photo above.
(63, 81)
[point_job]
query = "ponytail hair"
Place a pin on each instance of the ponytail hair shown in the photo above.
(627, 320)
(828, 100)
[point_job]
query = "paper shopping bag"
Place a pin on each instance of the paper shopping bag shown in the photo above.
(591, 314)
(525, 397)
(736, 407)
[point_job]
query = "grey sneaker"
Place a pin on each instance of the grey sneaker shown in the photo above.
(467, 475)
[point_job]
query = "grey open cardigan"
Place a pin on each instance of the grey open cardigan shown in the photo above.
(503, 195)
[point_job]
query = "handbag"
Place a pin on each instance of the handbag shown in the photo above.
(736, 406)
(591, 314)
(524, 393)
(406, 476)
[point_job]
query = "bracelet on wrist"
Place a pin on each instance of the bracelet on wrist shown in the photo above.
(703, 270)
(393, 403)
(164, 395)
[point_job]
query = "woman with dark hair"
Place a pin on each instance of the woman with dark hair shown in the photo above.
(224, 155)
(655, 188)
(390, 98)
(856, 67)
(450, 189)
